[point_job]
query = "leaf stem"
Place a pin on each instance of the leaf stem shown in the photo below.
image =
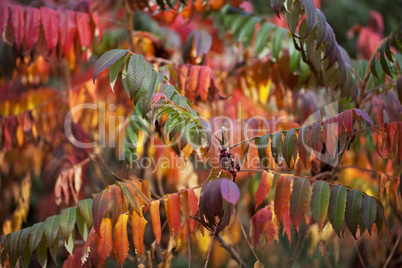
(245, 236)
(392, 252)
(231, 250)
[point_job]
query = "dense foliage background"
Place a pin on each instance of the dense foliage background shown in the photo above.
(189, 192)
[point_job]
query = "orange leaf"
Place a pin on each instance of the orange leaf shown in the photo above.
(172, 206)
(286, 225)
(183, 73)
(105, 242)
(270, 231)
(138, 224)
(193, 81)
(156, 221)
(282, 195)
(263, 188)
(188, 203)
(204, 82)
(120, 239)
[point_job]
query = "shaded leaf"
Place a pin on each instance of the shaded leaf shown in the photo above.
(41, 252)
(290, 147)
(299, 201)
(85, 207)
(315, 137)
(114, 71)
(320, 202)
(369, 212)
(276, 146)
(348, 121)
(36, 234)
(302, 144)
(352, 212)
(4, 13)
(263, 36)
(336, 209)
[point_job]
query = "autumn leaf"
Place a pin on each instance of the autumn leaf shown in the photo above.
(282, 195)
(299, 200)
(320, 202)
(50, 23)
(263, 188)
(156, 221)
(138, 223)
(99, 208)
(67, 29)
(121, 245)
(172, 206)
(84, 32)
(17, 23)
(32, 19)
(105, 241)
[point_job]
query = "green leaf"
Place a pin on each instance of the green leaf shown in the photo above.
(114, 72)
(41, 252)
(36, 234)
(69, 244)
(352, 213)
(277, 42)
(52, 226)
(373, 68)
(238, 24)
(247, 32)
(263, 36)
(299, 201)
(68, 218)
(276, 5)
(262, 148)
(85, 208)
(132, 200)
(108, 59)
(23, 244)
(293, 18)
(276, 146)
(82, 225)
(12, 247)
(369, 212)
(54, 248)
(290, 147)
(320, 202)
(336, 209)
(383, 61)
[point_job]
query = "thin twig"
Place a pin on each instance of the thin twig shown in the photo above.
(358, 254)
(235, 255)
(384, 87)
(209, 252)
(248, 241)
(393, 251)
(189, 245)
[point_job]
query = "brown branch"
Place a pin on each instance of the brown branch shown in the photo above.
(248, 241)
(209, 252)
(235, 255)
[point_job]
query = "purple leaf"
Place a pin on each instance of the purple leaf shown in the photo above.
(364, 116)
(229, 191)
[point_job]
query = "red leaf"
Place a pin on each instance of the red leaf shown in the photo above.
(172, 206)
(339, 122)
(50, 23)
(138, 223)
(263, 188)
(156, 221)
(105, 241)
(257, 224)
(84, 31)
(315, 137)
(32, 26)
(98, 24)
(348, 121)
(392, 133)
(99, 208)
(192, 202)
(17, 23)
(282, 195)
(204, 82)
(270, 231)
(67, 29)
(3, 16)
(193, 82)
(87, 249)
